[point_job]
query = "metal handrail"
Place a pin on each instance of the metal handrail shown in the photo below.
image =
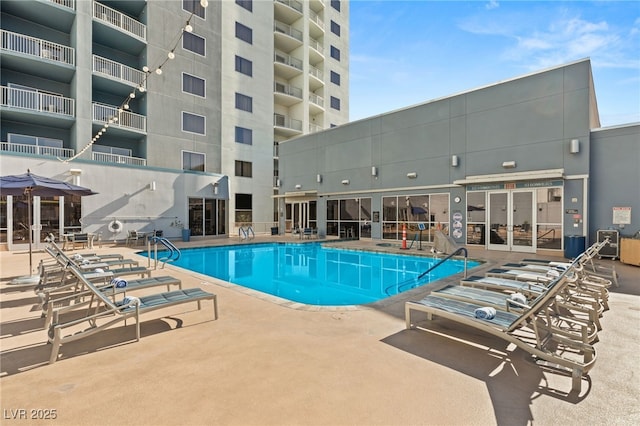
(174, 252)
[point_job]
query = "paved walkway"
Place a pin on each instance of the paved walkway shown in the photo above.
(266, 363)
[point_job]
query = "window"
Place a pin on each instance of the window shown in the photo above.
(335, 78)
(247, 4)
(335, 103)
(335, 53)
(244, 33)
(243, 102)
(194, 7)
(193, 161)
(193, 123)
(335, 4)
(244, 168)
(244, 205)
(244, 135)
(244, 66)
(192, 84)
(206, 216)
(193, 43)
(335, 28)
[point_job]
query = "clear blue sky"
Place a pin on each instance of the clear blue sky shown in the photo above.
(408, 52)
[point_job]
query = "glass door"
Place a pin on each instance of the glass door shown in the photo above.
(511, 220)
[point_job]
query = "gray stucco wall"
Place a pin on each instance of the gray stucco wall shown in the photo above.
(614, 178)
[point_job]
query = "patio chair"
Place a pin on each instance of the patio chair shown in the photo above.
(544, 342)
(307, 233)
(100, 312)
(134, 237)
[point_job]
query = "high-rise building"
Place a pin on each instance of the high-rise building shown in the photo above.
(173, 86)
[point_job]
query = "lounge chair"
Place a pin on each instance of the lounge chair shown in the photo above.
(77, 293)
(548, 344)
(572, 321)
(100, 312)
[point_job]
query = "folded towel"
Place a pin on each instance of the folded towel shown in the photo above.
(486, 313)
(519, 297)
(77, 256)
(119, 282)
(130, 301)
(99, 270)
(85, 261)
(553, 273)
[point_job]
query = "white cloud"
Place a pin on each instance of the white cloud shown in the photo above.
(493, 4)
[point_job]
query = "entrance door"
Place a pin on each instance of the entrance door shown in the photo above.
(511, 221)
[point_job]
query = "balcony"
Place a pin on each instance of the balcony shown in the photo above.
(55, 14)
(51, 151)
(316, 28)
(117, 73)
(54, 61)
(126, 120)
(286, 95)
(316, 104)
(287, 38)
(316, 51)
(118, 30)
(286, 66)
(287, 11)
(287, 126)
(37, 101)
(317, 79)
(104, 157)
(314, 128)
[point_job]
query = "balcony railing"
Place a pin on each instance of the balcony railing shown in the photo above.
(283, 28)
(314, 128)
(35, 100)
(286, 122)
(315, 44)
(36, 149)
(119, 71)
(316, 18)
(71, 4)
(119, 20)
(104, 157)
(125, 119)
(293, 4)
(283, 58)
(316, 72)
(318, 100)
(32, 46)
(286, 89)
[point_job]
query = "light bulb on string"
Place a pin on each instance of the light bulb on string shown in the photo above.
(204, 3)
(132, 95)
(188, 28)
(171, 55)
(159, 71)
(145, 68)
(126, 106)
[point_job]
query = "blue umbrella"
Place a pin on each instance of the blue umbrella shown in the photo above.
(31, 185)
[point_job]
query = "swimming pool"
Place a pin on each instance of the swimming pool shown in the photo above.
(316, 274)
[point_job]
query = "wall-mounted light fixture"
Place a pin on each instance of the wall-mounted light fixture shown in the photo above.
(412, 175)
(319, 178)
(454, 161)
(345, 181)
(298, 186)
(278, 183)
(574, 146)
(215, 187)
(152, 185)
(509, 164)
(374, 171)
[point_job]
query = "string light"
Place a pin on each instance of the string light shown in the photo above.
(141, 88)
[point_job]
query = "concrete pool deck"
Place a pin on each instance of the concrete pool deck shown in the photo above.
(268, 363)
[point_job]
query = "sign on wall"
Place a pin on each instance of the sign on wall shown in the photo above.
(622, 215)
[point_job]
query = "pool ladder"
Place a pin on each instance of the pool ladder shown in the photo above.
(173, 255)
(413, 282)
(246, 233)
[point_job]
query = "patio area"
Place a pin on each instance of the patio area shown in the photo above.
(265, 362)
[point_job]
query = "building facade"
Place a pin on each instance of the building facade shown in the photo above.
(171, 110)
(521, 165)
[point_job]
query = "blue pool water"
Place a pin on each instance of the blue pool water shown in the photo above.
(314, 274)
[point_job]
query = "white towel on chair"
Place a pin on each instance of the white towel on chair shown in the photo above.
(485, 313)
(519, 297)
(119, 282)
(130, 301)
(99, 270)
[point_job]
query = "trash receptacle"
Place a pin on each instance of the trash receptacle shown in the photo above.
(274, 230)
(573, 246)
(186, 235)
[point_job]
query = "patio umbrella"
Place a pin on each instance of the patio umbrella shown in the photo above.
(31, 185)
